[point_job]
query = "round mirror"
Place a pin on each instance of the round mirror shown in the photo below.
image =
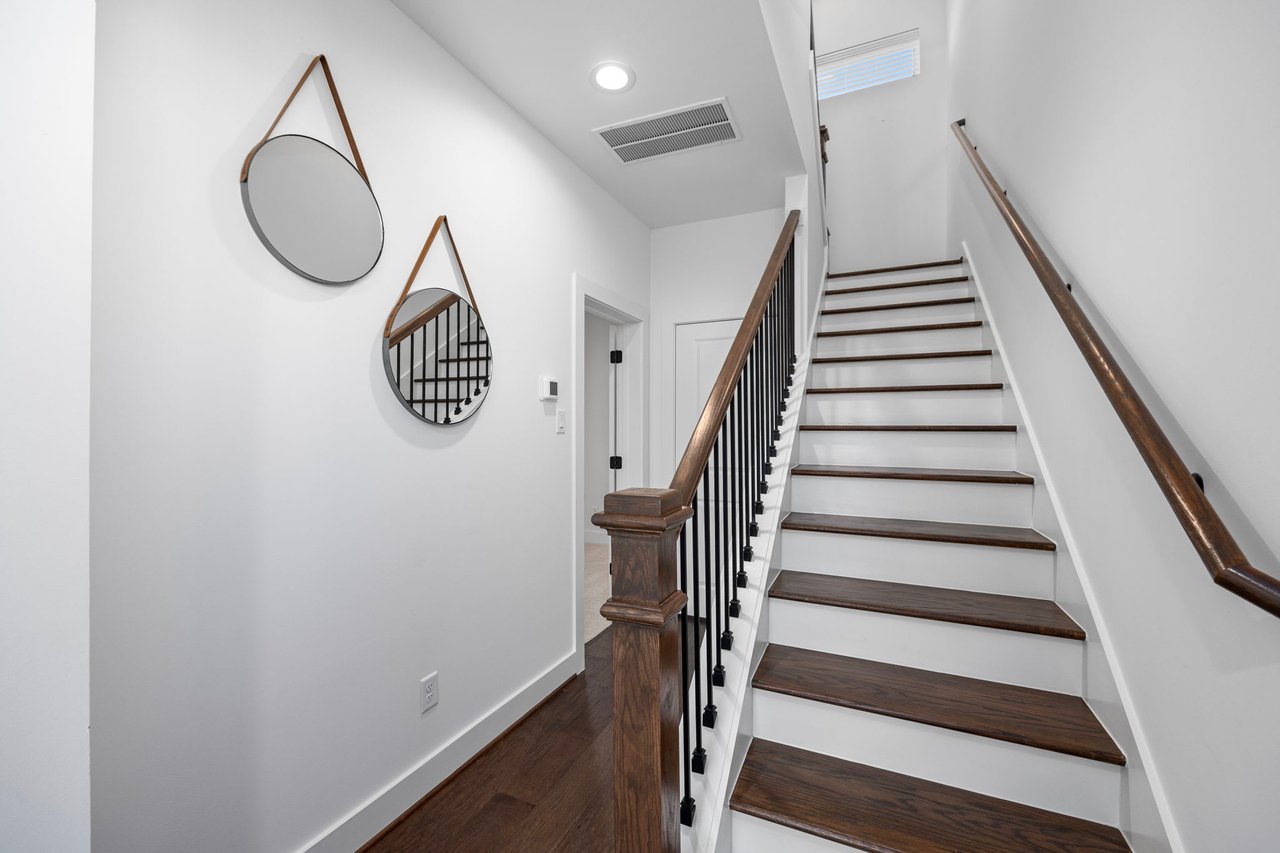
(437, 356)
(312, 209)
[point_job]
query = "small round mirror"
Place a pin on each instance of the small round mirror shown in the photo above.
(312, 209)
(437, 356)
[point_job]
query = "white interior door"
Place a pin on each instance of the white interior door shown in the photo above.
(700, 352)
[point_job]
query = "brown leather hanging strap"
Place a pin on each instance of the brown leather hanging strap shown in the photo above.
(337, 102)
(442, 221)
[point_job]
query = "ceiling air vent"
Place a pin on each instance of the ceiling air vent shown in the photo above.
(710, 123)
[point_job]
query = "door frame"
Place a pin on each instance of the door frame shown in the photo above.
(631, 319)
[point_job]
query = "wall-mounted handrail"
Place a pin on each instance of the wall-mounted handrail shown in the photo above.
(1219, 550)
(685, 480)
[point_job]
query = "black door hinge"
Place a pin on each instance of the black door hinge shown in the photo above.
(615, 462)
(615, 356)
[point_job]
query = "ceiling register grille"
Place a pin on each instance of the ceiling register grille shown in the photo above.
(678, 130)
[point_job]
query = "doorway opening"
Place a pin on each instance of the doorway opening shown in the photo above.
(610, 434)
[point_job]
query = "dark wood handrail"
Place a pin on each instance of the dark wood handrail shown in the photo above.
(1219, 550)
(688, 472)
(422, 318)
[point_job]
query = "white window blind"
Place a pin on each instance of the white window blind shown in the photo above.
(869, 64)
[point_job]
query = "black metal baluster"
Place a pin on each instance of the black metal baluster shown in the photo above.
(740, 523)
(717, 639)
(687, 804)
(708, 712)
(733, 550)
(723, 577)
(698, 760)
(456, 392)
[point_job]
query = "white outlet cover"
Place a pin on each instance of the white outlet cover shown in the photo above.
(428, 692)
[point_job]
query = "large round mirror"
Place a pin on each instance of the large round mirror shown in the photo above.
(312, 209)
(437, 356)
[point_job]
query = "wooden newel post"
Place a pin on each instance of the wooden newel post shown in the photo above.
(644, 526)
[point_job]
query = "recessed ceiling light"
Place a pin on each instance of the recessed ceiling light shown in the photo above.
(612, 77)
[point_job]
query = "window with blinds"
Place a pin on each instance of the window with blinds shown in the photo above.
(869, 64)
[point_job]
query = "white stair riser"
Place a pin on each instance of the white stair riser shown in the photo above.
(992, 654)
(894, 342)
(980, 568)
(916, 371)
(932, 500)
(896, 317)
(905, 407)
(753, 835)
(986, 450)
(952, 290)
(1037, 777)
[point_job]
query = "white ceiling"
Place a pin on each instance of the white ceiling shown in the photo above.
(538, 54)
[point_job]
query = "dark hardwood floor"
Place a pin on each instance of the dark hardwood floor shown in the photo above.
(546, 785)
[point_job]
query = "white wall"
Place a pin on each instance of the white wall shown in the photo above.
(887, 180)
(1153, 178)
(596, 438)
(46, 61)
(280, 551)
(701, 271)
(787, 24)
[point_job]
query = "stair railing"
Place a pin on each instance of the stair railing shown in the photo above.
(680, 555)
(1218, 549)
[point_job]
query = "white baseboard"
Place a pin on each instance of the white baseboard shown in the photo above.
(368, 819)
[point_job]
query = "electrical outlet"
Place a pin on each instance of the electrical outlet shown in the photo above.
(428, 692)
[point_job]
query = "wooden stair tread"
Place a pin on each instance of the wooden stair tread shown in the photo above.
(893, 306)
(928, 531)
(903, 356)
(985, 610)
(909, 427)
(1036, 718)
(893, 389)
(867, 808)
(884, 330)
(947, 475)
(899, 268)
(841, 291)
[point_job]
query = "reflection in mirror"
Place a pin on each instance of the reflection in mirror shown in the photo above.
(312, 209)
(437, 356)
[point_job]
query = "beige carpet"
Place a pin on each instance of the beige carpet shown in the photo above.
(595, 590)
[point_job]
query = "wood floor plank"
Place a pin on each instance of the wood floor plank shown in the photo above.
(867, 808)
(525, 776)
(987, 610)
(928, 531)
(1007, 712)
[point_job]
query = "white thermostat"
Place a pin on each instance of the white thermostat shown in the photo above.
(548, 388)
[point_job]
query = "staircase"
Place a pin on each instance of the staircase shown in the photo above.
(920, 690)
